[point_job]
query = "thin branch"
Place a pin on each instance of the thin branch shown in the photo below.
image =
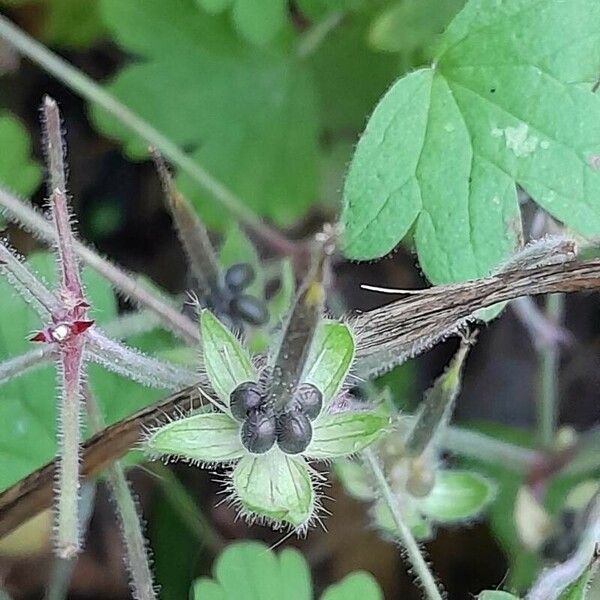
(83, 85)
(26, 284)
(192, 233)
(406, 538)
(416, 322)
(392, 334)
(62, 570)
(134, 365)
(21, 212)
(136, 555)
(19, 365)
(53, 146)
(68, 534)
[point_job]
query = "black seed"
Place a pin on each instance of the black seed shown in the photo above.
(258, 432)
(294, 432)
(309, 400)
(238, 277)
(246, 397)
(250, 309)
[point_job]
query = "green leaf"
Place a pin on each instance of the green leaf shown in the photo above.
(411, 24)
(28, 403)
(350, 76)
(259, 20)
(508, 101)
(237, 248)
(342, 434)
(356, 585)
(496, 595)
(457, 495)
(226, 361)
(18, 171)
(275, 486)
(214, 6)
(73, 23)
(331, 355)
(208, 438)
(249, 116)
(252, 571)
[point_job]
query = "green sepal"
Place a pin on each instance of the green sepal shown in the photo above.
(330, 358)
(208, 438)
(275, 486)
(343, 434)
(226, 361)
(457, 495)
(496, 595)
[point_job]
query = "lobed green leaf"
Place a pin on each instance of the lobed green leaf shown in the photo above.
(508, 101)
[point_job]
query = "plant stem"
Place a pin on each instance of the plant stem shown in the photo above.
(549, 357)
(406, 537)
(552, 582)
(136, 556)
(62, 570)
(14, 367)
(313, 38)
(91, 91)
(487, 449)
(23, 213)
(68, 535)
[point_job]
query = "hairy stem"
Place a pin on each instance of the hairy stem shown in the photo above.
(136, 556)
(83, 85)
(26, 284)
(405, 535)
(23, 213)
(53, 146)
(549, 357)
(134, 365)
(68, 539)
(19, 365)
(62, 570)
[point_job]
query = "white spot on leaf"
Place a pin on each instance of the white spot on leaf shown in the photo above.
(518, 139)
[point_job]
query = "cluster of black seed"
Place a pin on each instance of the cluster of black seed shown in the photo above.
(262, 426)
(231, 304)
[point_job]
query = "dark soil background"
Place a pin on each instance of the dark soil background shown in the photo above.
(119, 207)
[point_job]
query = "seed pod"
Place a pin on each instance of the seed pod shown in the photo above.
(239, 276)
(294, 432)
(245, 398)
(250, 309)
(309, 400)
(258, 432)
